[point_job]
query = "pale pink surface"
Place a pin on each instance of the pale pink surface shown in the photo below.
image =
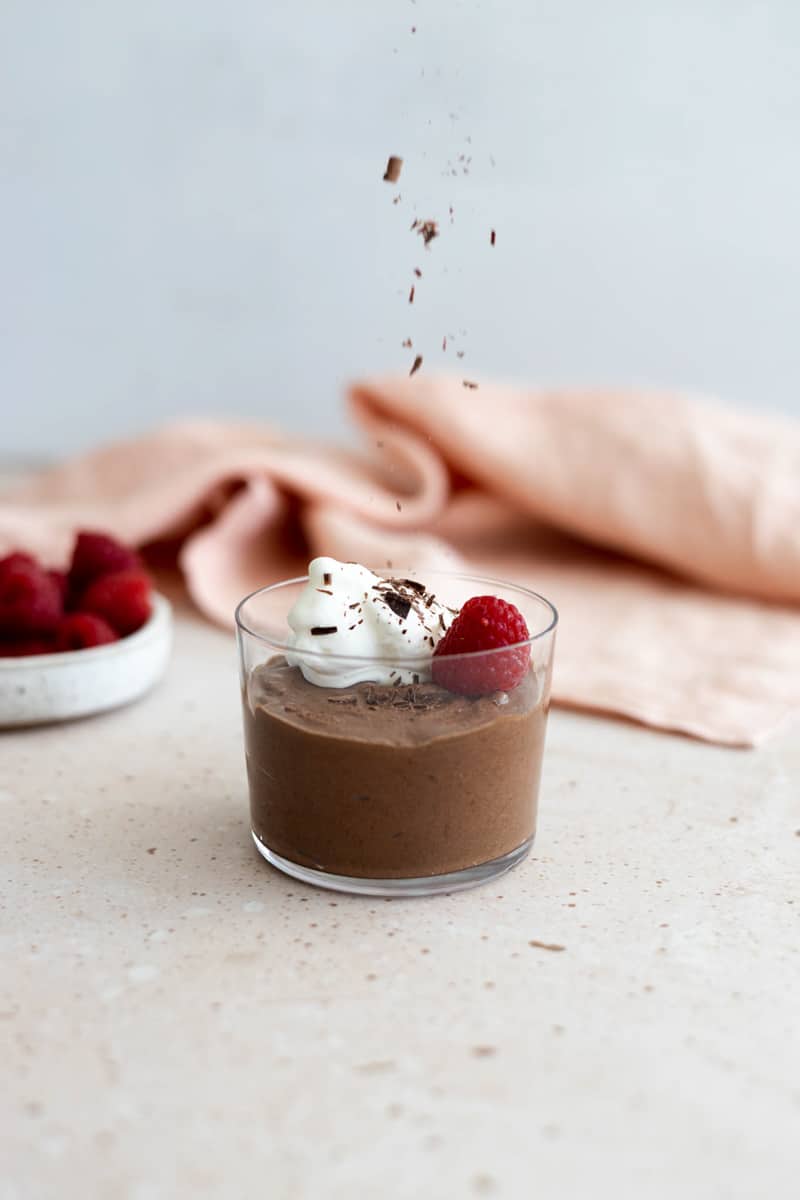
(666, 531)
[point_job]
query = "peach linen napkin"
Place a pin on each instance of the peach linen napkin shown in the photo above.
(665, 530)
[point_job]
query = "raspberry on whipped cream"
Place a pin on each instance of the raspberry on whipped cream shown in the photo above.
(346, 610)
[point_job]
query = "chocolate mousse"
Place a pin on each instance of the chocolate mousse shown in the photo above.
(388, 781)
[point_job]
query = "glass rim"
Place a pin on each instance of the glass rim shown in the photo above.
(276, 643)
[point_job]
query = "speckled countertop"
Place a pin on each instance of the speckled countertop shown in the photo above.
(177, 1019)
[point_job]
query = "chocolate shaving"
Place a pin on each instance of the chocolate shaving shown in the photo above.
(327, 579)
(393, 168)
(397, 603)
(416, 366)
(467, 383)
(398, 506)
(492, 238)
(459, 353)
(546, 945)
(413, 584)
(396, 200)
(407, 344)
(323, 630)
(342, 699)
(418, 273)
(325, 591)
(411, 294)
(428, 230)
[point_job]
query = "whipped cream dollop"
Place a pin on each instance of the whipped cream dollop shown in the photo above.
(345, 609)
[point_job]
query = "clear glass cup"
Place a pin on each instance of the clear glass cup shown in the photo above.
(390, 791)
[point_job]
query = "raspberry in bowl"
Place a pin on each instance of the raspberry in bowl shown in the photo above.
(80, 640)
(394, 727)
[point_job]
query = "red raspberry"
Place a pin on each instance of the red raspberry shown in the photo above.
(122, 599)
(97, 554)
(12, 561)
(484, 623)
(59, 578)
(80, 630)
(30, 601)
(21, 647)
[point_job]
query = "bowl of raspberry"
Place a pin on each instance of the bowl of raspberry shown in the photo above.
(80, 640)
(394, 726)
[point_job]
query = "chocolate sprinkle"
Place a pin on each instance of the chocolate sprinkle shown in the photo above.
(393, 168)
(325, 591)
(327, 579)
(411, 294)
(322, 630)
(416, 366)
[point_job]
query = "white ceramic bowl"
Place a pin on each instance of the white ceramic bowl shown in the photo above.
(56, 687)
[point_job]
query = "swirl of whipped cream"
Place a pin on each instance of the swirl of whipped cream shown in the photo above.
(345, 609)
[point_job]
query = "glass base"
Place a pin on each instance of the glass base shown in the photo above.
(428, 885)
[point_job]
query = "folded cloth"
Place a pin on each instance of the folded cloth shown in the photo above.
(665, 530)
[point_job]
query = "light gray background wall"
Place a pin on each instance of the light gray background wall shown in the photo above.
(192, 217)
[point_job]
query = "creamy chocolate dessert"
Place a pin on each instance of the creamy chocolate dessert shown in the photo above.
(384, 781)
(361, 763)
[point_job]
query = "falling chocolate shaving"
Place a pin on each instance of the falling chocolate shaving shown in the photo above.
(327, 579)
(459, 353)
(492, 238)
(444, 342)
(467, 383)
(428, 230)
(396, 200)
(416, 366)
(398, 506)
(418, 273)
(407, 344)
(323, 630)
(393, 168)
(397, 603)
(411, 294)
